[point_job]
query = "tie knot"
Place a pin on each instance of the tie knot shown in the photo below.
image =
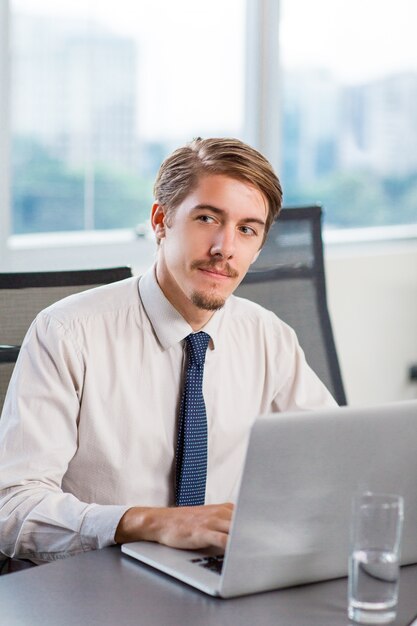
(197, 346)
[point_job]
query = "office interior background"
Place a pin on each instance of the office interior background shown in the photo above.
(95, 93)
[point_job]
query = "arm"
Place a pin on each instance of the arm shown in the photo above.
(298, 386)
(38, 438)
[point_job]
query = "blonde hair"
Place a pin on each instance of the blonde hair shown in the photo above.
(179, 174)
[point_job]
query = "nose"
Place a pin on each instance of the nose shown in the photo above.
(224, 243)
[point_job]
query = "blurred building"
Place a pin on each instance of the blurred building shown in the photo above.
(311, 125)
(74, 90)
(328, 127)
(380, 125)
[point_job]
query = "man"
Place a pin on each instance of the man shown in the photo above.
(92, 444)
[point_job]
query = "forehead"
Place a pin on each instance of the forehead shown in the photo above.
(228, 194)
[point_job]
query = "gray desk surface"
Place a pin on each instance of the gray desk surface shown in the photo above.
(107, 588)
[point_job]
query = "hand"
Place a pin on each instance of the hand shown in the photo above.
(186, 527)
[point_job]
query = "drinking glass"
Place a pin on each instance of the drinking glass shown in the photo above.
(374, 563)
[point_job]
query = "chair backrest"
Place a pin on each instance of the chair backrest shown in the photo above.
(288, 278)
(23, 295)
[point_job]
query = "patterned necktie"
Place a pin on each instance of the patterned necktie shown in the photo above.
(191, 457)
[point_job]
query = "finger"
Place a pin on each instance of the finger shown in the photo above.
(225, 510)
(217, 539)
(224, 505)
(220, 525)
(226, 514)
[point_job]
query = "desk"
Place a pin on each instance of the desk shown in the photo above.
(107, 588)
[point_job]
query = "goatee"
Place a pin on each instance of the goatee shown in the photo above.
(206, 302)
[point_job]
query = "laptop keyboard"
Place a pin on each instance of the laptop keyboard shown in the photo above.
(213, 563)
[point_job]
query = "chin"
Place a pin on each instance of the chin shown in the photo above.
(208, 302)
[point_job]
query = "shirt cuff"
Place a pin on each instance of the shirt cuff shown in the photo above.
(99, 525)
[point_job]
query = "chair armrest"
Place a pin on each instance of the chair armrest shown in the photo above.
(8, 354)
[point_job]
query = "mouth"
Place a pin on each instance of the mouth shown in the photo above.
(218, 274)
(215, 271)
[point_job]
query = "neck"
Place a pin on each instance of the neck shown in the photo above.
(198, 322)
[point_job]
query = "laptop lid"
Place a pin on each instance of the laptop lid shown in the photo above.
(291, 522)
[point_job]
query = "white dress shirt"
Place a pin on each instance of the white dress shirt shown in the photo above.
(89, 422)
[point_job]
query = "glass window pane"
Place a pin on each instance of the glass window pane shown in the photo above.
(349, 109)
(101, 93)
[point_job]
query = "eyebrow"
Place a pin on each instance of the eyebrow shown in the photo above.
(215, 209)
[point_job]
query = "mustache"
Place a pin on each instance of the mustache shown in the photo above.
(224, 268)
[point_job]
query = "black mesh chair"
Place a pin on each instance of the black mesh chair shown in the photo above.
(288, 278)
(23, 295)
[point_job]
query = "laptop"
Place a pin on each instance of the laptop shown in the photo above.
(291, 521)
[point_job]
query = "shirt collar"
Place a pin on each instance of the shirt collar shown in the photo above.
(169, 326)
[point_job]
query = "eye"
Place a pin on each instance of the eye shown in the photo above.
(247, 230)
(206, 219)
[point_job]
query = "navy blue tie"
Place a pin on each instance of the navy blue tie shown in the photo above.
(191, 457)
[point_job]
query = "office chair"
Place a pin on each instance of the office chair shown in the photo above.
(288, 279)
(23, 295)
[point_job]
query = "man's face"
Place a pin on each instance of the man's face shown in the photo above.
(208, 242)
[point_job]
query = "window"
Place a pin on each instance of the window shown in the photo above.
(349, 122)
(103, 91)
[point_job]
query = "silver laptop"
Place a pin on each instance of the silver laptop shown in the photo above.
(291, 522)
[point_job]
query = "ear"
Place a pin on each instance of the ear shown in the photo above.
(158, 220)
